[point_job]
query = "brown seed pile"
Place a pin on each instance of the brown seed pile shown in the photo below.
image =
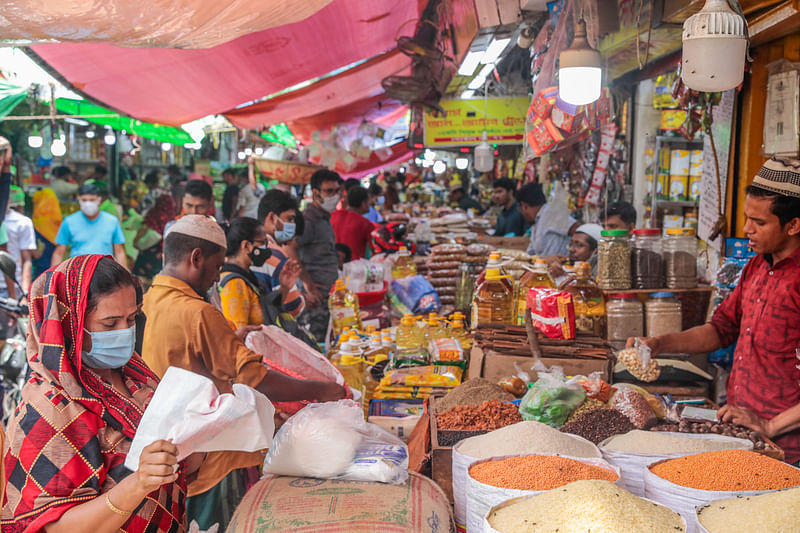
(537, 472)
(727, 429)
(490, 415)
(589, 404)
(596, 426)
(473, 392)
(735, 470)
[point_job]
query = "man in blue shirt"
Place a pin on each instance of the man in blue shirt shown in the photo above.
(551, 232)
(90, 230)
(510, 220)
(375, 198)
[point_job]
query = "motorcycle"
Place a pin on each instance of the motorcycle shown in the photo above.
(13, 355)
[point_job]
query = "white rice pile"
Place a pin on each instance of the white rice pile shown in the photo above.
(658, 443)
(524, 438)
(774, 512)
(583, 506)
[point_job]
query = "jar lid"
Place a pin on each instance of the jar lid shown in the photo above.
(647, 231)
(662, 295)
(614, 233)
(681, 231)
(624, 295)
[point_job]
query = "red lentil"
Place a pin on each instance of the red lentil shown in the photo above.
(735, 470)
(490, 415)
(537, 472)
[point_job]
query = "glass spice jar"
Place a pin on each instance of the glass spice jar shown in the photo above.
(647, 261)
(614, 260)
(625, 317)
(663, 314)
(680, 258)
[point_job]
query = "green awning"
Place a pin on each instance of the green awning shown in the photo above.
(10, 97)
(148, 130)
(280, 134)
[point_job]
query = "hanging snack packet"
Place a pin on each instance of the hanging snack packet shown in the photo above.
(552, 312)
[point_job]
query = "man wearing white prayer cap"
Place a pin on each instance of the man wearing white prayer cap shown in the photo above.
(185, 331)
(762, 315)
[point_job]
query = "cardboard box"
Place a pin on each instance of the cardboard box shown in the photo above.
(495, 366)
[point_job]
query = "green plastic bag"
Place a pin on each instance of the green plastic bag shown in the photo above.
(551, 399)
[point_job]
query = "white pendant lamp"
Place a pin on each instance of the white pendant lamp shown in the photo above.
(35, 139)
(484, 156)
(580, 70)
(714, 48)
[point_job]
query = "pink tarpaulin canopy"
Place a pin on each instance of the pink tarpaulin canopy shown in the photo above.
(377, 109)
(177, 86)
(159, 24)
(358, 83)
(400, 153)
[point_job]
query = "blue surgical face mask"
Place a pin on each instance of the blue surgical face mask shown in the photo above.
(110, 349)
(287, 233)
(381, 200)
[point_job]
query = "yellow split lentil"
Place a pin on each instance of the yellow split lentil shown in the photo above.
(536, 472)
(734, 470)
(773, 512)
(581, 506)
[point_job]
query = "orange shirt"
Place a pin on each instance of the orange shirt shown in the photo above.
(185, 331)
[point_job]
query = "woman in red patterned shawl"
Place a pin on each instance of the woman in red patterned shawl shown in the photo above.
(80, 410)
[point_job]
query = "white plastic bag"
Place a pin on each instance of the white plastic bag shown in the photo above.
(293, 354)
(633, 465)
(189, 409)
(482, 497)
(332, 441)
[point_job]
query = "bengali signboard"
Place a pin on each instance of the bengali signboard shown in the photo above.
(290, 172)
(465, 120)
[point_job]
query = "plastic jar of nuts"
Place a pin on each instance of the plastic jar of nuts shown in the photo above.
(663, 314)
(625, 317)
(647, 262)
(614, 260)
(680, 258)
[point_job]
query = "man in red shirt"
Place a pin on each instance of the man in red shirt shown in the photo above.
(762, 313)
(350, 226)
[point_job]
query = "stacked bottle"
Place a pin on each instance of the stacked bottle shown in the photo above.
(494, 299)
(588, 301)
(538, 277)
(404, 265)
(343, 306)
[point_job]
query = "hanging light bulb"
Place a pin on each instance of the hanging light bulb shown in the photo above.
(248, 151)
(241, 155)
(166, 147)
(58, 148)
(90, 134)
(462, 163)
(484, 158)
(259, 150)
(110, 138)
(580, 70)
(439, 167)
(35, 139)
(714, 48)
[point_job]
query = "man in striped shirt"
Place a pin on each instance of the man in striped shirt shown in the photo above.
(278, 212)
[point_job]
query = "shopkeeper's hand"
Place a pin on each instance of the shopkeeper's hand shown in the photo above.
(654, 343)
(745, 417)
(244, 331)
(329, 391)
(157, 466)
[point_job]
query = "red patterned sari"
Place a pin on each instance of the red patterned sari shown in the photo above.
(70, 435)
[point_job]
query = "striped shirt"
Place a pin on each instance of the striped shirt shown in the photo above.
(270, 272)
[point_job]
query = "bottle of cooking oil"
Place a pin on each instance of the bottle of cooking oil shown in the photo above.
(404, 265)
(496, 262)
(458, 332)
(343, 306)
(350, 363)
(587, 299)
(538, 277)
(494, 300)
(409, 336)
(436, 328)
